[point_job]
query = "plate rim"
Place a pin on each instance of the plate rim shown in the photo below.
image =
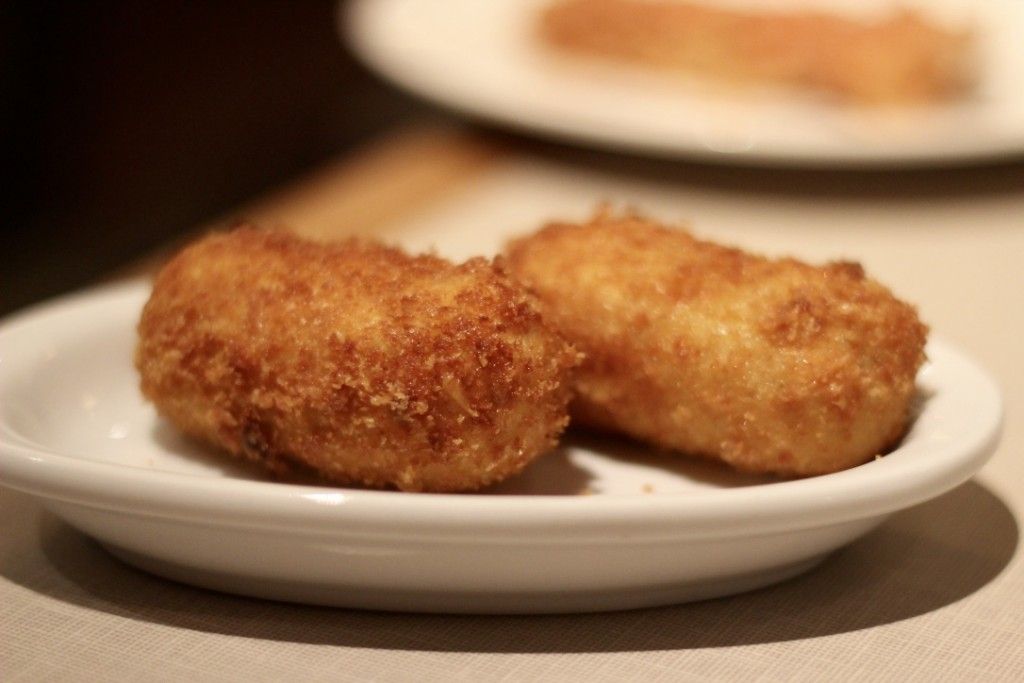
(868, 490)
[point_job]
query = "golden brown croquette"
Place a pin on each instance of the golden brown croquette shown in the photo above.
(353, 359)
(769, 365)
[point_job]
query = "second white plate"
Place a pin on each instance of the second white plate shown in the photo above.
(482, 58)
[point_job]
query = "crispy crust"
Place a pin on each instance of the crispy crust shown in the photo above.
(768, 365)
(900, 58)
(353, 359)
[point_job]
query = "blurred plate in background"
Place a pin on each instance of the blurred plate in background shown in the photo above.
(482, 58)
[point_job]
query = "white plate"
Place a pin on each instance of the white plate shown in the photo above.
(655, 530)
(481, 58)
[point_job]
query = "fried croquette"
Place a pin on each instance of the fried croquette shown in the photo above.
(771, 366)
(898, 58)
(354, 360)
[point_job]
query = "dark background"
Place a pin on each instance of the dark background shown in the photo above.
(127, 123)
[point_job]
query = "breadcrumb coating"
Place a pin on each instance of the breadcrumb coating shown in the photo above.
(771, 366)
(899, 58)
(354, 360)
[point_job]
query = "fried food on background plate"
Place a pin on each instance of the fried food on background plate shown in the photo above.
(768, 365)
(901, 57)
(356, 360)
